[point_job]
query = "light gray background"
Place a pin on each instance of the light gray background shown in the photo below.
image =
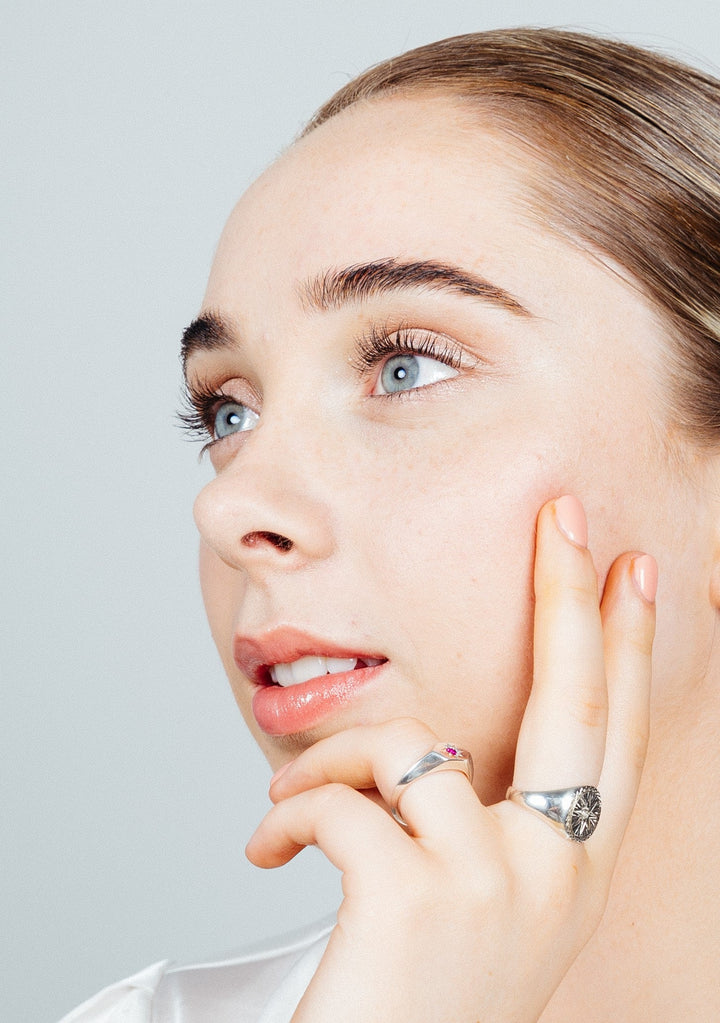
(129, 786)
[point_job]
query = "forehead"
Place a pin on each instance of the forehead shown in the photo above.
(405, 178)
(410, 180)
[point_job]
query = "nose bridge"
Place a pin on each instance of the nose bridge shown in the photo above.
(273, 502)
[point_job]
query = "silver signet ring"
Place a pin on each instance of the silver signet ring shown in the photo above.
(574, 812)
(446, 756)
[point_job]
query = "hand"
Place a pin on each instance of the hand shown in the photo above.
(477, 912)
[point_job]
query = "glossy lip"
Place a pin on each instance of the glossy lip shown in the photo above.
(286, 710)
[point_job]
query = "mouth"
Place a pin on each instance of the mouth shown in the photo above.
(299, 679)
(313, 666)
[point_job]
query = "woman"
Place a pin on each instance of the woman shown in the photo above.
(465, 323)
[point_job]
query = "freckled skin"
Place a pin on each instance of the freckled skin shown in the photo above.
(414, 521)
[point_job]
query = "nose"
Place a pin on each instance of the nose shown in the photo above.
(268, 508)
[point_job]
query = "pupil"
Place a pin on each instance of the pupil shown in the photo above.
(400, 373)
(230, 419)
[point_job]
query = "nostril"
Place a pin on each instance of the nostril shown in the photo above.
(260, 536)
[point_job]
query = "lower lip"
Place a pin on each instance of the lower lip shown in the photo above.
(285, 710)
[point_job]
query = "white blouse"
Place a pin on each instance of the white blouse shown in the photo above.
(262, 986)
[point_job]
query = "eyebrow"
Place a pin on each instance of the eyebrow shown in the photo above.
(207, 333)
(366, 280)
(336, 288)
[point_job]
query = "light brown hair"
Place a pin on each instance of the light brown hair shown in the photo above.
(631, 143)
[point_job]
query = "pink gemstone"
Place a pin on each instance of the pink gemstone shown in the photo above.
(451, 751)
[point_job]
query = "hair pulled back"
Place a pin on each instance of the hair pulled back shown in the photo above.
(630, 144)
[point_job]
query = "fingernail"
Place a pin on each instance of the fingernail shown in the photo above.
(570, 517)
(280, 771)
(645, 576)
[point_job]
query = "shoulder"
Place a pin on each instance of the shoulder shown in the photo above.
(128, 1001)
(262, 984)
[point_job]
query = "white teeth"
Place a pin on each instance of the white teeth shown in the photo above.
(340, 664)
(282, 674)
(295, 672)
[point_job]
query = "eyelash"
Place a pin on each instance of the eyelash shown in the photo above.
(200, 401)
(377, 345)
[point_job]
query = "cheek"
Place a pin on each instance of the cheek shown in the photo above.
(454, 559)
(463, 526)
(219, 584)
(223, 591)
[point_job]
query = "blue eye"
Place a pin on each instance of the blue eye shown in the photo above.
(233, 417)
(407, 371)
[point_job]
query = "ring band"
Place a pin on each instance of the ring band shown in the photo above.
(446, 756)
(574, 812)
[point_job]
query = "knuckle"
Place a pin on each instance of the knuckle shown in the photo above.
(641, 641)
(559, 591)
(588, 712)
(332, 792)
(328, 799)
(586, 703)
(408, 729)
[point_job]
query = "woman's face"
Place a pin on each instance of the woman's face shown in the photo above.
(410, 366)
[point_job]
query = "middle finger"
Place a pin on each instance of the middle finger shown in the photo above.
(562, 739)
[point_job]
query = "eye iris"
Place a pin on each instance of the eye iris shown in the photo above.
(230, 418)
(400, 373)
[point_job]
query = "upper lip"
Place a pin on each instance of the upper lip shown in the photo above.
(254, 655)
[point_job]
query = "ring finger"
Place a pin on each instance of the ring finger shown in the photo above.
(377, 756)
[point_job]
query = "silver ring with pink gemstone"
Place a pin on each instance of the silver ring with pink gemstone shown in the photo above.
(573, 812)
(446, 756)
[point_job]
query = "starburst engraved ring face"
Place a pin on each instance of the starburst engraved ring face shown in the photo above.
(573, 812)
(584, 814)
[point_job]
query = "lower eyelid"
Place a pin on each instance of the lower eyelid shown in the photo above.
(222, 449)
(426, 393)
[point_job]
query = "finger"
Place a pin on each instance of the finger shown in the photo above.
(363, 757)
(352, 831)
(628, 613)
(562, 738)
(377, 756)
